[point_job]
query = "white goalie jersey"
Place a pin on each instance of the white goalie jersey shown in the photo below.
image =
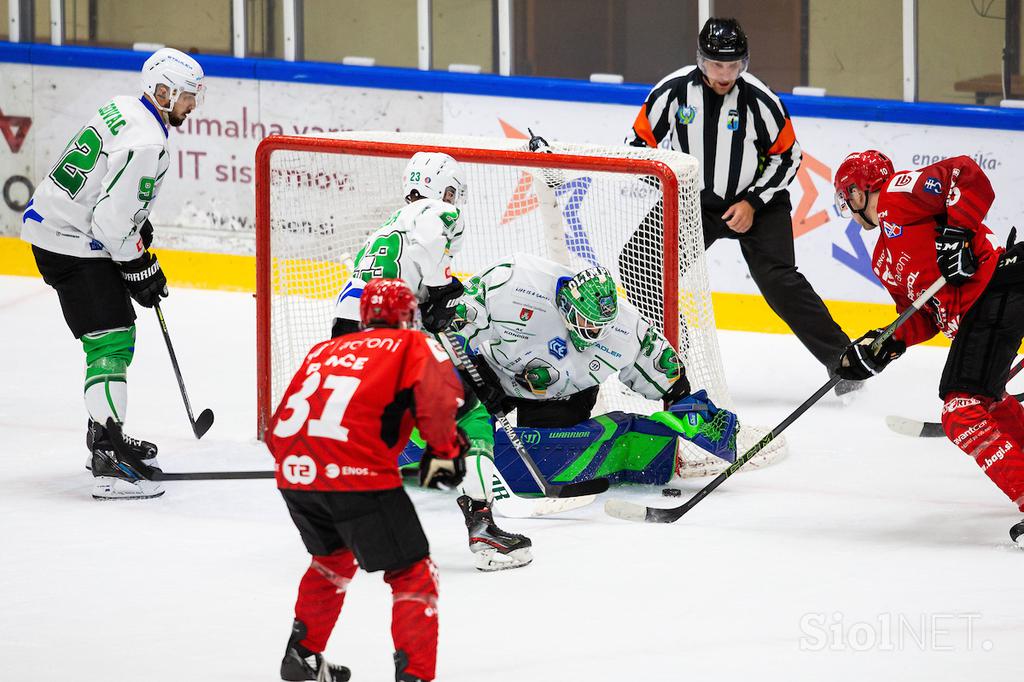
(102, 189)
(416, 244)
(511, 320)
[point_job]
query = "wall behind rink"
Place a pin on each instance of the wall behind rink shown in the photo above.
(207, 202)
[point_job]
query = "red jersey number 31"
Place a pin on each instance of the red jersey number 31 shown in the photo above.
(328, 424)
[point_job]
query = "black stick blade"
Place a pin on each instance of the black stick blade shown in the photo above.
(592, 487)
(203, 423)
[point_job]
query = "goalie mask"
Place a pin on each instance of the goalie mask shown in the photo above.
(589, 304)
(432, 174)
(180, 73)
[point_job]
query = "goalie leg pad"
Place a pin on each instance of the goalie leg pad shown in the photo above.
(107, 356)
(321, 595)
(414, 616)
(969, 422)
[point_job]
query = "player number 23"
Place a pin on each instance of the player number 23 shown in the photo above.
(328, 424)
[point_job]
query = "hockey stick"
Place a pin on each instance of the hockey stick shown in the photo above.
(513, 506)
(629, 511)
(199, 426)
(592, 487)
(922, 429)
(210, 475)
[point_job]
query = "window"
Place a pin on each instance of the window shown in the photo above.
(198, 26)
(264, 28)
(965, 66)
(382, 29)
(464, 32)
(643, 40)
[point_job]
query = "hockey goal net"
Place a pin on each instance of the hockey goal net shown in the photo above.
(634, 210)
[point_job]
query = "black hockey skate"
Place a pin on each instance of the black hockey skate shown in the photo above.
(493, 549)
(401, 663)
(299, 663)
(118, 472)
(1017, 534)
(143, 449)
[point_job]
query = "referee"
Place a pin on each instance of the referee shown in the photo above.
(743, 138)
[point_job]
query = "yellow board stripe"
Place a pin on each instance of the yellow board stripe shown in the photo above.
(739, 312)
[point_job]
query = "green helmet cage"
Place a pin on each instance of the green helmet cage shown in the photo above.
(589, 304)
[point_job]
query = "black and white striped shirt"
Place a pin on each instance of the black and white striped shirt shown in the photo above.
(744, 140)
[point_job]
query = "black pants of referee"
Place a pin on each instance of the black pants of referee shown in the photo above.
(767, 247)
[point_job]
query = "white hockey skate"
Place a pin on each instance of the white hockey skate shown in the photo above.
(493, 548)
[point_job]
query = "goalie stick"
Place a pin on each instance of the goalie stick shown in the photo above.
(199, 426)
(629, 511)
(592, 487)
(922, 429)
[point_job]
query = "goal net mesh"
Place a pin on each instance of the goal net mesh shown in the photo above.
(328, 196)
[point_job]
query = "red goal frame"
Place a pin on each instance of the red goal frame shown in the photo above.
(276, 143)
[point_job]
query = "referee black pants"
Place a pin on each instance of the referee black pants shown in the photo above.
(768, 250)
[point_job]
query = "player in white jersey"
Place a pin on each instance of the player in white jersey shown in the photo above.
(545, 338)
(415, 244)
(88, 223)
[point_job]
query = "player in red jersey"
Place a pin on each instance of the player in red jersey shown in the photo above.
(335, 437)
(931, 226)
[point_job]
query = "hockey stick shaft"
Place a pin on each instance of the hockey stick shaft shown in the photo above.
(201, 426)
(632, 512)
(592, 487)
(211, 475)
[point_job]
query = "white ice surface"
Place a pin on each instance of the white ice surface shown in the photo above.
(861, 539)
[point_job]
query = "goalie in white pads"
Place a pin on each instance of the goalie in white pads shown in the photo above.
(88, 223)
(545, 338)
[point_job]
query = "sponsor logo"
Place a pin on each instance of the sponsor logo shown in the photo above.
(609, 351)
(95, 246)
(958, 403)
(933, 186)
(969, 432)
(332, 470)
(903, 182)
(686, 114)
(525, 314)
(892, 230)
(299, 469)
(953, 197)
(354, 471)
(14, 130)
(558, 347)
(569, 434)
(732, 120)
(530, 437)
(595, 365)
(999, 454)
(531, 292)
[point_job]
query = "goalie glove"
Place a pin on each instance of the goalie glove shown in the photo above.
(953, 253)
(701, 422)
(438, 311)
(144, 279)
(858, 363)
(444, 472)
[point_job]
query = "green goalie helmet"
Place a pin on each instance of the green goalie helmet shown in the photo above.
(588, 303)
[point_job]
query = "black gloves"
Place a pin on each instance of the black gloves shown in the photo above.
(858, 362)
(438, 472)
(956, 260)
(144, 278)
(438, 310)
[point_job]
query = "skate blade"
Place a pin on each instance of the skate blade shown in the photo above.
(490, 559)
(106, 488)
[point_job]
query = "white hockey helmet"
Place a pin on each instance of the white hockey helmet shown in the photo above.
(431, 174)
(175, 69)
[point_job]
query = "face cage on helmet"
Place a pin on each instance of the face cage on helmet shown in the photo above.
(587, 330)
(842, 203)
(175, 93)
(702, 60)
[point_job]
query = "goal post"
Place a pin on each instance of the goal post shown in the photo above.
(319, 198)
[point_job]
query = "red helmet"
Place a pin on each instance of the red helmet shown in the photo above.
(867, 170)
(387, 303)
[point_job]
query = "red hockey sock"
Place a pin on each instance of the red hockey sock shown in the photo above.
(971, 422)
(1009, 415)
(414, 616)
(321, 594)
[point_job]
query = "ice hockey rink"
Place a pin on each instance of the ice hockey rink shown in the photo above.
(863, 555)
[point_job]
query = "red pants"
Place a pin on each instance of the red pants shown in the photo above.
(992, 432)
(413, 616)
